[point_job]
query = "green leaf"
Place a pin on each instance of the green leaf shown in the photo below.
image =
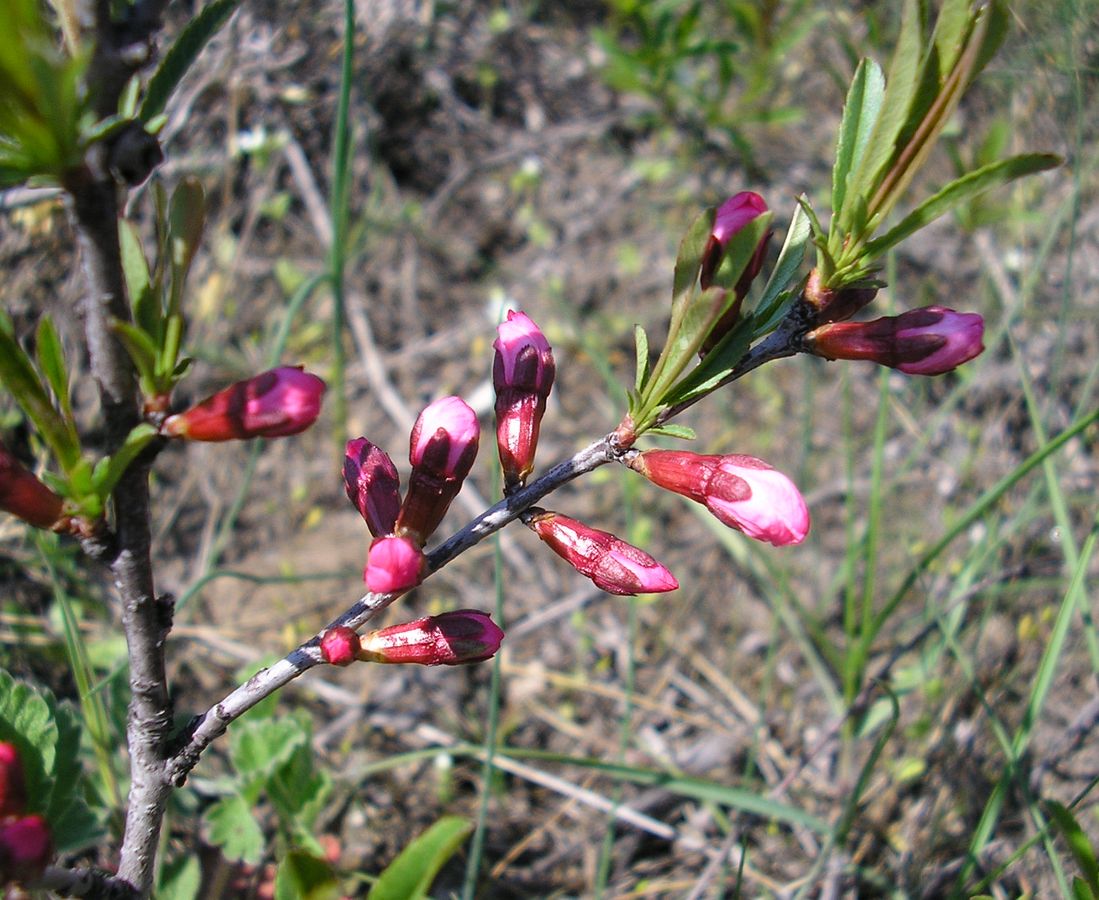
(951, 30)
(186, 219)
(1078, 844)
(957, 191)
(689, 259)
(180, 879)
(178, 60)
(110, 469)
(719, 363)
(683, 432)
(18, 375)
(231, 826)
(409, 876)
(259, 747)
(302, 876)
(51, 362)
(139, 287)
(860, 114)
(143, 352)
(641, 348)
(67, 772)
(998, 24)
(1080, 890)
(27, 722)
(76, 828)
(786, 267)
(900, 87)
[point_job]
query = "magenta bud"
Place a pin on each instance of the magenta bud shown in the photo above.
(340, 646)
(393, 564)
(615, 566)
(24, 496)
(25, 848)
(13, 791)
(741, 491)
(449, 639)
(522, 374)
(927, 341)
(372, 484)
(442, 448)
(276, 403)
(735, 213)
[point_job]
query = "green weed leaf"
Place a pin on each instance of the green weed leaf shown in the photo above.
(26, 720)
(259, 747)
(409, 876)
(180, 879)
(302, 876)
(1078, 844)
(231, 826)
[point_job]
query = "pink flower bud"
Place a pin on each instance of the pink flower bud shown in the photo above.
(449, 639)
(522, 373)
(443, 446)
(25, 848)
(372, 485)
(276, 403)
(731, 217)
(340, 646)
(927, 341)
(23, 495)
(393, 564)
(13, 791)
(615, 566)
(741, 491)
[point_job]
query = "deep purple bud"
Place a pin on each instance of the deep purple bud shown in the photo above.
(23, 495)
(372, 484)
(522, 374)
(25, 847)
(927, 341)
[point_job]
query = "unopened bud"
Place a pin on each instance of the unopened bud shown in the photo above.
(741, 491)
(13, 791)
(615, 566)
(25, 848)
(449, 639)
(833, 305)
(372, 485)
(393, 564)
(442, 448)
(277, 403)
(522, 374)
(340, 646)
(927, 341)
(23, 495)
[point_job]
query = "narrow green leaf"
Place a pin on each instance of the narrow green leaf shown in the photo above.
(302, 876)
(18, 375)
(998, 24)
(186, 220)
(682, 432)
(51, 362)
(178, 60)
(410, 875)
(143, 352)
(961, 189)
(641, 348)
(900, 87)
(1080, 890)
(139, 288)
(719, 363)
(1078, 844)
(786, 267)
(951, 29)
(860, 114)
(691, 248)
(111, 468)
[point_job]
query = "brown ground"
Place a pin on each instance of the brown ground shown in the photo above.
(492, 162)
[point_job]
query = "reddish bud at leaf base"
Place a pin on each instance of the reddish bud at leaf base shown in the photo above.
(277, 403)
(731, 217)
(23, 495)
(13, 791)
(836, 306)
(25, 848)
(340, 646)
(741, 491)
(615, 566)
(450, 639)
(443, 446)
(393, 564)
(927, 341)
(522, 374)
(372, 485)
